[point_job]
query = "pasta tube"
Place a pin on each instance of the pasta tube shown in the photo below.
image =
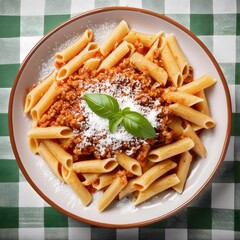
(170, 150)
(143, 64)
(95, 166)
(36, 93)
(183, 170)
(115, 37)
(50, 132)
(74, 64)
(73, 181)
(178, 54)
(192, 115)
(152, 174)
(68, 53)
(130, 164)
(112, 191)
(155, 188)
(103, 180)
(33, 144)
(60, 154)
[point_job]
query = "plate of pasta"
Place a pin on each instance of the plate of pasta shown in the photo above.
(116, 113)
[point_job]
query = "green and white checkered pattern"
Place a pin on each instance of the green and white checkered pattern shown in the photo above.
(214, 215)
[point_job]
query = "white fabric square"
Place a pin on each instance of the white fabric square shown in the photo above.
(131, 233)
(177, 7)
(26, 44)
(4, 98)
(224, 48)
(79, 233)
(6, 148)
(30, 9)
(79, 6)
(224, 6)
(222, 235)
(132, 3)
(223, 195)
(32, 199)
(31, 233)
(175, 234)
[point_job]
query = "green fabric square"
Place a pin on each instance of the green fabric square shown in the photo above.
(178, 220)
(237, 171)
(199, 218)
(225, 24)
(151, 233)
(53, 7)
(3, 123)
(237, 220)
(238, 24)
(32, 25)
(228, 70)
(103, 233)
(53, 218)
(52, 21)
(7, 74)
(235, 124)
(204, 200)
(224, 175)
(9, 194)
(153, 5)
(9, 171)
(237, 73)
(223, 219)
(9, 26)
(105, 3)
(10, 7)
(8, 217)
(200, 6)
(201, 24)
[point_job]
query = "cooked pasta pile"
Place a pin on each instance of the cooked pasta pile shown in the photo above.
(147, 73)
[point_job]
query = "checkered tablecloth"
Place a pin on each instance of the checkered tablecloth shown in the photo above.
(214, 215)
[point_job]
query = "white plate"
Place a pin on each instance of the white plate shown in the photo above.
(123, 213)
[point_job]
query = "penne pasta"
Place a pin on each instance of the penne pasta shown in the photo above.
(198, 148)
(71, 51)
(170, 150)
(103, 180)
(95, 166)
(171, 67)
(50, 132)
(114, 38)
(157, 45)
(92, 63)
(152, 174)
(130, 164)
(61, 155)
(144, 65)
(112, 191)
(45, 102)
(88, 178)
(183, 170)
(33, 144)
(157, 187)
(36, 93)
(176, 125)
(192, 115)
(186, 99)
(197, 85)
(73, 181)
(75, 63)
(178, 55)
(51, 161)
(129, 188)
(115, 56)
(203, 106)
(146, 39)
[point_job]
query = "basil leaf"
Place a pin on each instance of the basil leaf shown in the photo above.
(138, 125)
(126, 110)
(115, 121)
(103, 105)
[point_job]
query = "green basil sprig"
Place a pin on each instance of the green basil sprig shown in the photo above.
(106, 106)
